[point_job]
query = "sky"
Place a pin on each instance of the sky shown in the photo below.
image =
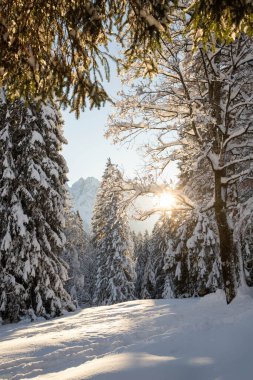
(87, 150)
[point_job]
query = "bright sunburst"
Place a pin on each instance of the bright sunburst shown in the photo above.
(166, 201)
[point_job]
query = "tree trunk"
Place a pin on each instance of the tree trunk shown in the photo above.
(227, 246)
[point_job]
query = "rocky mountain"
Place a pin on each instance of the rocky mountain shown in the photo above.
(84, 193)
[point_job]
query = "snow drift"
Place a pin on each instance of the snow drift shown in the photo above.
(187, 339)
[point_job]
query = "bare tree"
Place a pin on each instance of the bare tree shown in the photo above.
(198, 111)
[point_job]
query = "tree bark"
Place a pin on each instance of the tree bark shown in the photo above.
(227, 246)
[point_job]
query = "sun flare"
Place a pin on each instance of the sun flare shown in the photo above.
(167, 201)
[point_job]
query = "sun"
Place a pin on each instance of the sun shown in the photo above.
(166, 201)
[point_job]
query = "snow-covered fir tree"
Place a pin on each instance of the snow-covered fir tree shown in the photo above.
(112, 241)
(176, 284)
(147, 279)
(141, 252)
(137, 243)
(192, 264)
(162, 233)
(203, 257)
(150, 263)
(32, 178)
(244, 235)
(77, 255)
(169, 270)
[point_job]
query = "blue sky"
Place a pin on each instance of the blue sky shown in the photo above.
(87, 149)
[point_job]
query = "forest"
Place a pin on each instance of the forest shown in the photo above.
(197, 111)
(187, 78)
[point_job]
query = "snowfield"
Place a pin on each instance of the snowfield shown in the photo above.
(188, 339)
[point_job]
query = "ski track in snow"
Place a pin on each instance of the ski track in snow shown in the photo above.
(189, 339)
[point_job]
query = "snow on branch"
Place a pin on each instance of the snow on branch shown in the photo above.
(239, 132)
(151, 20)
(209, 206)
(239, 160)
(235, 177)
(141, 188)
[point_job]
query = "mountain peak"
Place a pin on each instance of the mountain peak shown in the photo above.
(84, 192)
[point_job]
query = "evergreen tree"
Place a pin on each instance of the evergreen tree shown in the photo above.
(169, 270)
(192, 265)
(223, 19)
(161, 235)
(77, 256)
(203, 257)
(112, 242)
(32, 178)
(90, 270)
(58, 49)
(137, 243)
(141, 249)
(244, 236)
(147, 279)
(175, 264)
(49, 49)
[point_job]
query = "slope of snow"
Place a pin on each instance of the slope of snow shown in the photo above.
(189, 339)
(84, 193)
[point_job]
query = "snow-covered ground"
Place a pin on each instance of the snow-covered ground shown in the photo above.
(190, 339)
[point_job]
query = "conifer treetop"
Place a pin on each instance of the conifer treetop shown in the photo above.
(60, 49)
(112, 242)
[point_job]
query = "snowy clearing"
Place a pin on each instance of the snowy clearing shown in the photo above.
(189, 339)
